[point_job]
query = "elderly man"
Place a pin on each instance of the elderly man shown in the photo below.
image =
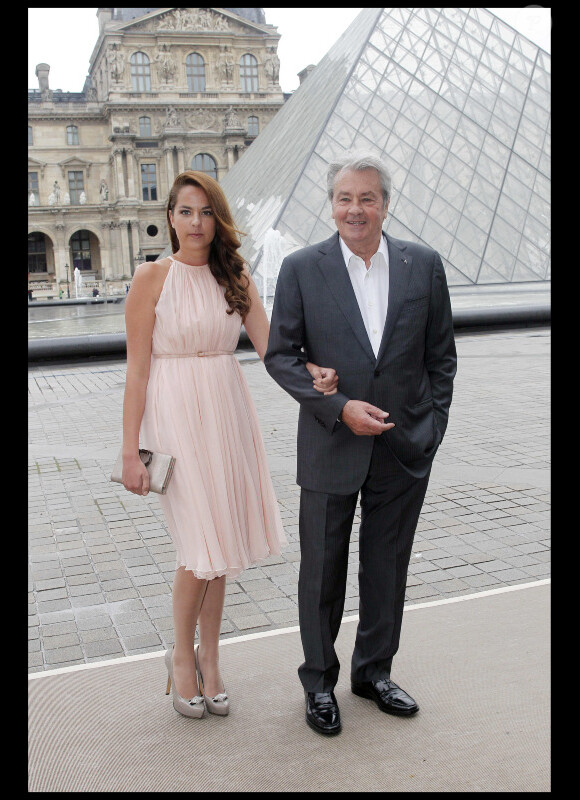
(377, 311)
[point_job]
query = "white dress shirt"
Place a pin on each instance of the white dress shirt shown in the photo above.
(371, 288)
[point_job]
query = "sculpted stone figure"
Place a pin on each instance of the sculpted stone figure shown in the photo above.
(199, 19)
(167, 65)
(56, 192)
(272, 65)
(116, 61)
(104, 191)
(171, 120)
(226, 65)
(231, 118)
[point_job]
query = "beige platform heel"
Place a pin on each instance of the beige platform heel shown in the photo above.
(189, 708)
(215, 705)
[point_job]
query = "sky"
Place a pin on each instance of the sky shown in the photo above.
(307, 35)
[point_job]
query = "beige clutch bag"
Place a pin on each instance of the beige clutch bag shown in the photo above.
(159, 466)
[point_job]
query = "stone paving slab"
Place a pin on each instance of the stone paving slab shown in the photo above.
(101, 563)
(480, 728)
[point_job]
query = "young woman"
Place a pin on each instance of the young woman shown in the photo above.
(186, 395)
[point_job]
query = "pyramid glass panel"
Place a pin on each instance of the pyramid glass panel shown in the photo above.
(457, 104)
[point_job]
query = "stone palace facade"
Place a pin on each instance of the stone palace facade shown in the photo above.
(168, 89)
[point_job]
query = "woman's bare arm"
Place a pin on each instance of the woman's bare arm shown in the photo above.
(324, 380)
(139, 321)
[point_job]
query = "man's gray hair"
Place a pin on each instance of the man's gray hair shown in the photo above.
(358, 161)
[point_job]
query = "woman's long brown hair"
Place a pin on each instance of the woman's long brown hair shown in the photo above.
(225, 263)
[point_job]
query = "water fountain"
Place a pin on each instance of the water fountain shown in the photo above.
(78, 278)
(272, 257)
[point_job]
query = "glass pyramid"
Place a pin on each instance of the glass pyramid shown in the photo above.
(456, 102)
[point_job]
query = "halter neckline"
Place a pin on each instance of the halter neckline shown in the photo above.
(194, 266)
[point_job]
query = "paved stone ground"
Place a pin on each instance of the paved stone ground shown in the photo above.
(101, 563)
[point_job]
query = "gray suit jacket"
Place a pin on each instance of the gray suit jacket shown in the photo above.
(316, 317)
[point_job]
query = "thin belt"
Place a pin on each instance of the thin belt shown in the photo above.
(202, 354)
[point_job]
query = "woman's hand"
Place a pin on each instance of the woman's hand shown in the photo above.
(324, 379)
(135, 476)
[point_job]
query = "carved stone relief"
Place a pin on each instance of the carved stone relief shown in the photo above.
(272, 65)
(167, 65)
(226, 64)
(171, 118)
(198, 120)
(104, 191)
(192, 19)
(201, 120)
(231, 120)
(116, 61)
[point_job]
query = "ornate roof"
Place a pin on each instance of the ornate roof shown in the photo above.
(251, 14)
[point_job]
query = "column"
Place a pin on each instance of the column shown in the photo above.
(132, 178)
(229, 148)
(239, 150)
(60, 255)
(119, 258)
(117, 171)
(181, 157)
(135, 239)
(127, 261)
(106, 254)
(168, 150)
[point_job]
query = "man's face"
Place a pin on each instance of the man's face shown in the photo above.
(359, 210)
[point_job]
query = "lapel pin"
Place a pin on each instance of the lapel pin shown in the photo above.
(404, 261)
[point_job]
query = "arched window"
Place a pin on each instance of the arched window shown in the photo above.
(203, 162)
(144, 126)
(195, 71)
(72, 134)
(37, 252)
(80, 246)
(140, 72)
(253, 128)
(30, 140)
(248, 73)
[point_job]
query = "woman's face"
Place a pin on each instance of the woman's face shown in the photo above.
(193, 220)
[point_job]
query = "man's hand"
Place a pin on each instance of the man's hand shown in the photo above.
(364, 419)
(324, 379)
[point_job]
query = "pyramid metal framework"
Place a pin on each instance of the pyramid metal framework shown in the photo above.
(456, 102)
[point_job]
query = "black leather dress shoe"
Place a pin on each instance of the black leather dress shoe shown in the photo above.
(387, 695)
(322, 713)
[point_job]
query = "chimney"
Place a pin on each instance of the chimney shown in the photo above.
(42, 71)
(104, 17)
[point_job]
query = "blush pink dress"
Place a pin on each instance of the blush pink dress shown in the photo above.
(220, 507)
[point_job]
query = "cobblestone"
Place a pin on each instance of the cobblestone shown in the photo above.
(101, 563)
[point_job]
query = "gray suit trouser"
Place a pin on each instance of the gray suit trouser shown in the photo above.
(391, 501)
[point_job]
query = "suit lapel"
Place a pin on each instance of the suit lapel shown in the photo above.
(399, 274)
(335, 273)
